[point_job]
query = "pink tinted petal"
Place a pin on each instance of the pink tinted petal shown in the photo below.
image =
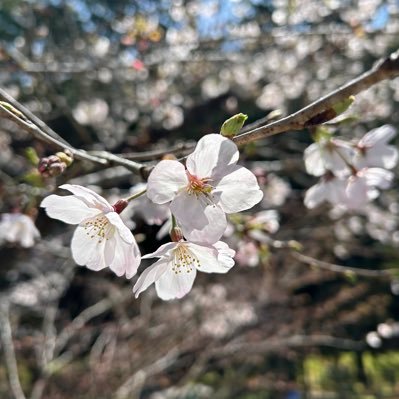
(166, 179)
(171, 285)
(357, 193)
(126, 259)
(382, 134)
(161, 251)
(239, 190)
(87, 251)
(68, 209)
(384, 156)
(150, 276)
(378, 177)
(122, 229)
(189, 210)
(335, 191)
(212, 231)
(334, 159)
(91, 198)
(211, 156)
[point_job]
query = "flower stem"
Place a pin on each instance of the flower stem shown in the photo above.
(136, 195)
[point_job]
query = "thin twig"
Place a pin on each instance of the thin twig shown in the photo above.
(44, 133)
(178, 149)
(133, 383)
(117, 160)
(343, 269)
(89, 313)
(4, 96)
(9, 351)
(31, 128)
(276, 344)
(387, 68)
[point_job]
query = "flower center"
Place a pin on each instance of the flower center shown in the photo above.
(99, 228)
(198, 186)
(184, 259)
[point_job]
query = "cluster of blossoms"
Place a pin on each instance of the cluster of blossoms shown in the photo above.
(198, 195)
(251, 235)
(351, 173)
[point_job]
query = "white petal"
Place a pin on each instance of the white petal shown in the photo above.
(164, 230)
(336, 191)
(91, 198)
(225, 254)
(126, 259)
(122, 229)
(209, 261)
(357, 193)
(161, 251)
(211, 156)
(149, 276)
(378, 177)
(171, 285)
(87, 251)
(212, 231)
(239, 190)
(382, 134)
(68, 209)
(314, 163)
(190, 210)
(384, 156)
(336, 157)
(28, 235)
(166, 179)
(315, 195)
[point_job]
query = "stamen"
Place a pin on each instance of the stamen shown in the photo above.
(184, 260)
(99, 228)
(199, 187)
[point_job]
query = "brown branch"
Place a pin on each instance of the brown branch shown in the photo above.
(385, 273)
(4, 96)
(33, 129)
(387, 68)
(44, 133)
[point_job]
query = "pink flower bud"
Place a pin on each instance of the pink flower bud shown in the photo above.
(120, 205)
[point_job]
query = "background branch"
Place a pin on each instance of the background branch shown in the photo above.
(343, 269)
(387, 68)
(9, 351)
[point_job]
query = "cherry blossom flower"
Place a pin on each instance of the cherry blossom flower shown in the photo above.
(174, 273)
(362, 186)
(330, 188)
(248, 254)
(101, 239)
(211, 185)
(351, 193)
(265, 220)
(328, 155)
(150, 212)
(373, 149)
(18, 228)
